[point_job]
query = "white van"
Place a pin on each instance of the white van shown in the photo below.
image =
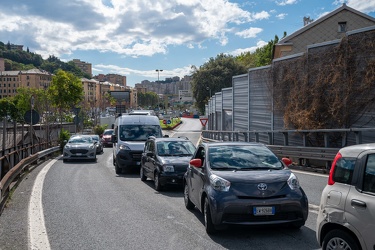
(130, 135)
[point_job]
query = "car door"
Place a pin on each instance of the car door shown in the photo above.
(360, 204)
(147, 159)
(196, 177)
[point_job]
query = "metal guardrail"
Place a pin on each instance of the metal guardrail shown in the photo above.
(304, 154)
(15, 173)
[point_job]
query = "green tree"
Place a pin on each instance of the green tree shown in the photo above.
(8, 108)
(148, 99)
(213, 76)
(66, 91)
(260, 57)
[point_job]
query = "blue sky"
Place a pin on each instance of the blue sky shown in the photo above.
(135, 37)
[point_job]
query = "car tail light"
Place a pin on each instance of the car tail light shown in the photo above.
(331, 172)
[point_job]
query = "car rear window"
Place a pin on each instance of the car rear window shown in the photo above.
(344, 170)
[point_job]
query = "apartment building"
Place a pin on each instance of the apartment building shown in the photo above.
(113, 78)
(84, 66)
(10, 81)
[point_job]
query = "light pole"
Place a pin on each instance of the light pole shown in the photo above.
(158, 70)
(208, 88)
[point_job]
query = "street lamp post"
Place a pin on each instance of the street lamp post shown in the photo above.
(158, 70)
(208, 88)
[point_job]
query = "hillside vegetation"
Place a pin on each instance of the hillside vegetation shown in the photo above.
(25, 60)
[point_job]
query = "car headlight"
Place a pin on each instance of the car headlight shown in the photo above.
(124, 147)
(168, 168)
(92, 146)
(67, 146)
(293, 182)
(219, 183)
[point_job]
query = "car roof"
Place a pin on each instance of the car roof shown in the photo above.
(168, 138)
(355, 150)
(233, 143)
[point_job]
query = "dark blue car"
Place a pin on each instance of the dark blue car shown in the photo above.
(240, 183)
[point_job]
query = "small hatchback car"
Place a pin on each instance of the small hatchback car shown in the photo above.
(107, 137)
(346, 218)
(242, 183)
(165, 160)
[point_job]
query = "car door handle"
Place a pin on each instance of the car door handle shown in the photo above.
(358, 203)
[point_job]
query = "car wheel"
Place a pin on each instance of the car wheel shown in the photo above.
(157, 184)
(338, 239)
(188, 204)
(210, 228)
(142, 174)
(117, 169)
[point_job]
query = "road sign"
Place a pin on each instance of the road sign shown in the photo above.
(203, 121)
(31, 117)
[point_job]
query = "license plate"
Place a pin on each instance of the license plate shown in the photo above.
(79, 154)
(264, 211)
(138, 163)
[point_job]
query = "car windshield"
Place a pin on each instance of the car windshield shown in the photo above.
(108, 132)
(95, 137)
(175, 148)
(80, 140)
(139, 132)
(242, 157)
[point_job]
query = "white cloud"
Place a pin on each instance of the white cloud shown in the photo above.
(250, 49)
(128, 27)
(281, 16)
(365, 6)
(249, 33)
(181, 72)
(286, 2)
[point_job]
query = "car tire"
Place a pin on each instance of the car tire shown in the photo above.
(113, 160)
(210, 228)
(157, 184)
(142, 174)
(188, 204)
(117, 169)
(339, 239)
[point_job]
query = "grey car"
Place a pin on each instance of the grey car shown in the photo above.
(99, 144)
(346, 217)
(80, 147)
(240, 183)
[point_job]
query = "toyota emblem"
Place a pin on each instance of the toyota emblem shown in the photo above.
(262, 186)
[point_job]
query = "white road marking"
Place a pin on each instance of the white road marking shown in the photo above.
(38, 238)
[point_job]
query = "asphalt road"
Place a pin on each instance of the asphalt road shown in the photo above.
(84, 205)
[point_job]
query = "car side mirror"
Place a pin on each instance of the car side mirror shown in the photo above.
(196, 163)
(287, 161)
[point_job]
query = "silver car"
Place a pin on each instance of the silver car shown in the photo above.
(346, 218)
(80, 147)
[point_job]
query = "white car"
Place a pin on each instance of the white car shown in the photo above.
(346, 218)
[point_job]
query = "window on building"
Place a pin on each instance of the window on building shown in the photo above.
(342, 27)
